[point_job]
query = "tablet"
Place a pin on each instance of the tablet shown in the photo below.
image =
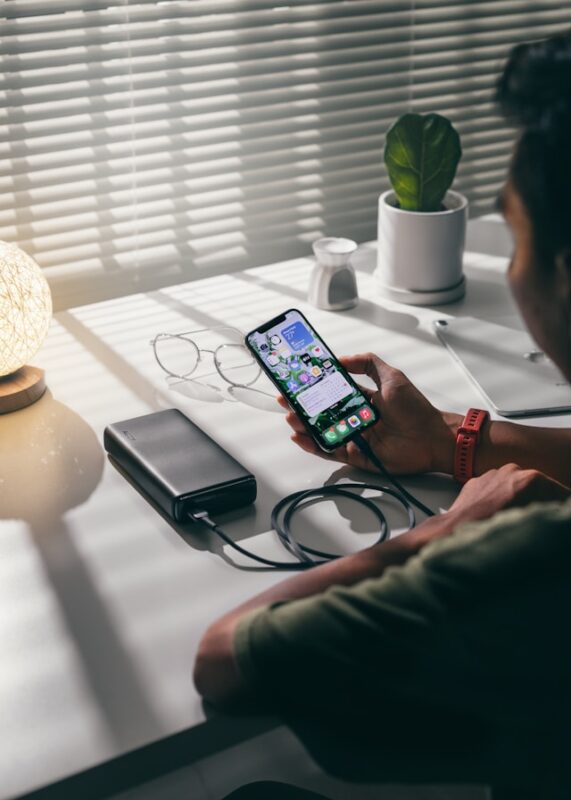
(505, 364)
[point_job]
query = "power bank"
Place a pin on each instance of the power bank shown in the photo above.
(177, 465)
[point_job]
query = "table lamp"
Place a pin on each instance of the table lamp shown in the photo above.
(25, 313)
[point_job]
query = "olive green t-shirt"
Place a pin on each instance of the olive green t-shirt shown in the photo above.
(477, 626)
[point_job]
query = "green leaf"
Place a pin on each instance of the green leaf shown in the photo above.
(421, 154)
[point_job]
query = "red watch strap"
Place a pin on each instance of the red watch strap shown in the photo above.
(467, 438)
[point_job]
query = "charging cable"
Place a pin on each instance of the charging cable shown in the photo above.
(368, 451)
(284, 511)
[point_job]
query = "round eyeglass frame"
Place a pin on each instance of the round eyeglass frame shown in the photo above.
(186, 376)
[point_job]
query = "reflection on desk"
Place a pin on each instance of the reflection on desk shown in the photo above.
(50, 452)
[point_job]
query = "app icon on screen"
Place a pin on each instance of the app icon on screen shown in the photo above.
(292, 385)
(275, 339)
(365, 413)
(330, 435)
(354, 421)
(342, 427)
(306, 358)
(304, 377)
(294, 364)
(282, 371)
(317, 351)
(264, 346)
(327, 363)
(273, 360)
(316, 372)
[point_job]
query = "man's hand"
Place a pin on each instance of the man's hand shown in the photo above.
(412, 435)
(507, 487)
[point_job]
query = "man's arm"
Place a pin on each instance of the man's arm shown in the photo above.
(215, 673)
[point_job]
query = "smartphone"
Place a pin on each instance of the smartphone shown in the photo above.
(315, 384)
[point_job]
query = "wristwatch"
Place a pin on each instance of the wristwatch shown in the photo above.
(467, 437)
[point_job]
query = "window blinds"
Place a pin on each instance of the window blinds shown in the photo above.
(149, 142)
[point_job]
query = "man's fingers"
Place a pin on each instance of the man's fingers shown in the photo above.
(282, 401)
(294, 422)
(366, 391)
(306, 443)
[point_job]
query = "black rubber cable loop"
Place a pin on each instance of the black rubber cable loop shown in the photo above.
(300, 504)
(296, 501)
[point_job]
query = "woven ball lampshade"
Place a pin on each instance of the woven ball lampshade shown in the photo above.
(25, 314)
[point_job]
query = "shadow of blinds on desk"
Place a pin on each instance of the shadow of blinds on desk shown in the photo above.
(145, 143)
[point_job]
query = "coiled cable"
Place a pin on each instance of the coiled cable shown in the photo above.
(284, 511)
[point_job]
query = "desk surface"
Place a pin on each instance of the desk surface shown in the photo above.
(102, 603)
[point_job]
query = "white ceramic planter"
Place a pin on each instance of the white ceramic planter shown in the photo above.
(420, 254)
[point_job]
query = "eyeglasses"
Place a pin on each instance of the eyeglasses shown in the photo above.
(179, 355)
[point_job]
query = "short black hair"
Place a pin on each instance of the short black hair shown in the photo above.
(534, 93)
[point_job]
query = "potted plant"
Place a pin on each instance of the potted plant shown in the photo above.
(422, 224)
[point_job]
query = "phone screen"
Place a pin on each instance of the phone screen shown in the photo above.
(329, 402)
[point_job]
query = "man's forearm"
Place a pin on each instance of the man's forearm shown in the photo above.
(216, 675)
(349, 570)
(341, 572)
(544, 449)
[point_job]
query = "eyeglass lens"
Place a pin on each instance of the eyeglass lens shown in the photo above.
(236, 364)
(177, 355)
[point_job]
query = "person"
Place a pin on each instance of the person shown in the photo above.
(464, 618)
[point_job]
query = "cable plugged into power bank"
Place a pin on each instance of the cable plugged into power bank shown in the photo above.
(204, 518)
(189, 476)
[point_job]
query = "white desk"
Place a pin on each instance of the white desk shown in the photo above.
(102, 603)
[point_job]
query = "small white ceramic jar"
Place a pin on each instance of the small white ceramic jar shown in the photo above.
(332, 285)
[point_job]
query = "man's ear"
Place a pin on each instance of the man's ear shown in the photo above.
(563, 267)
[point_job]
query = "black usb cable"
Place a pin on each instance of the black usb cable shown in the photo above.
(283, 512)
(367, 450)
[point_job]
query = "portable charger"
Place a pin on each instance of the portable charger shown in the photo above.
(178, 465)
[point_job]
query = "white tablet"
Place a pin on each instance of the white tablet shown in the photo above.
(506, 365)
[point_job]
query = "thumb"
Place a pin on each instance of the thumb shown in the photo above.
(368, 364)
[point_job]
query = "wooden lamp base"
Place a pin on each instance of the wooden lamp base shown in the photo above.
(21, 389)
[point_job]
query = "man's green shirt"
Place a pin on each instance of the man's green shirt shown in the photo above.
(476, 626)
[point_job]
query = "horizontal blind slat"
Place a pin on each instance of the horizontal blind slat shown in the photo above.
(28, 104)
(151, 71)
(394, 45)
(232, 18)
(112, 44)
(44, 170)
(20, 9)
